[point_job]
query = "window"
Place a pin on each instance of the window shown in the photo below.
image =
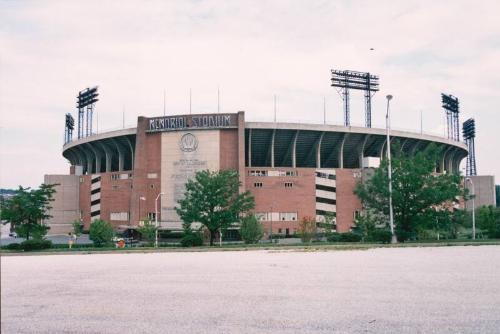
(288, 184)
(81, 179)
(257, 185)
(257, 173)
(122, 216)
(279, 230)
(288, 216)
(325, 175)
(151, 216)
(115, 177)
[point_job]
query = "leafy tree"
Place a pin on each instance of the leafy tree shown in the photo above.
(27, 209)
(417, 190)
(365, 225)
(101, 233)
(213, 199)
(307, 229)
(251, 230)
(77, 227)
(489, 220)
(147, 230)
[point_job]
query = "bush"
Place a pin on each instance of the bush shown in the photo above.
(307, 229)
(101, 233)
(251, 230)
(333, 237)
(147, 230)
(35, 244)
(12, 246)
(192, 239)
(350, 237)
(380, 235)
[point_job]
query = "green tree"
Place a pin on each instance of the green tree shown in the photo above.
(213, 199)
(27, 209)
(77, 227)
(251, 229)
(147, 230)
(101, 233)
(489, 220)
(365, 225)
(417, 190)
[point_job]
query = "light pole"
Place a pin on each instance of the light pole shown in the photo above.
(473, 208)
(156, 218)
(389, 170)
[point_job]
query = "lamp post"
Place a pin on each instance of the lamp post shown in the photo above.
(389, 169)
(473, 208)
(156, 218)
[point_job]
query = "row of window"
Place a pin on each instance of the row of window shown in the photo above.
(276, 216)
(260, 185)
(123, 216)
(273, 173)
(325, 175)
(121, 176)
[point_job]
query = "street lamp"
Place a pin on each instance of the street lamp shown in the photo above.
(156, 218)
(389, 170)
(473, 208)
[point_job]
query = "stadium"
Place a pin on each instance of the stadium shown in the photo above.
(293, 170)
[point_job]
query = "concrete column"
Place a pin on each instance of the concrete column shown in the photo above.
(272, 148)
(108, 155)
(318, 150)
(249, 147)
(294, 150)
(341, 151)
(362, 151)
(131, 152)
(121, 155)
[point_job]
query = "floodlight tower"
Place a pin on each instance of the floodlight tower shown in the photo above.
(86, 100)
(469, 133)
(69, 125)
(451, 106)
(346, 80)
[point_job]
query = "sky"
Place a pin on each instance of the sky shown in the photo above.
(137, 52)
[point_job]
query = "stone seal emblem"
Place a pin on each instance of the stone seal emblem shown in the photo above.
(188, 143)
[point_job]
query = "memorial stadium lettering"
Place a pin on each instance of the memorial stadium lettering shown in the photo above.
(172, 123)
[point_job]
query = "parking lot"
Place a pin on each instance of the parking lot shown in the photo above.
(402, 290)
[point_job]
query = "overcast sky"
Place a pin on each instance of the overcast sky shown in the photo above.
(251, 50)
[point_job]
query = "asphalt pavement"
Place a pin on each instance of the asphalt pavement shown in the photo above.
(401, 290)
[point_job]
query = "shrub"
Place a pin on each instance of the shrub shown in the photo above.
(147, 230)
(101, 233)
(77, 227)
(333, 237)
(35, 244)
(350, 237)
(192, 239)
(251, 230)
(380, 235)
(12, 246)
(307, 229)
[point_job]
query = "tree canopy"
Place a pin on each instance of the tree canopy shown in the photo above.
(418, 193)
(27, 209)
(213, 199)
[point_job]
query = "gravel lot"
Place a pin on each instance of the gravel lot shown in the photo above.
(402, 290)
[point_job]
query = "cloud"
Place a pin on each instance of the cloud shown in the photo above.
(134, 50)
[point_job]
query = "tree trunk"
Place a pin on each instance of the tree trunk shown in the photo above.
(212, 237)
